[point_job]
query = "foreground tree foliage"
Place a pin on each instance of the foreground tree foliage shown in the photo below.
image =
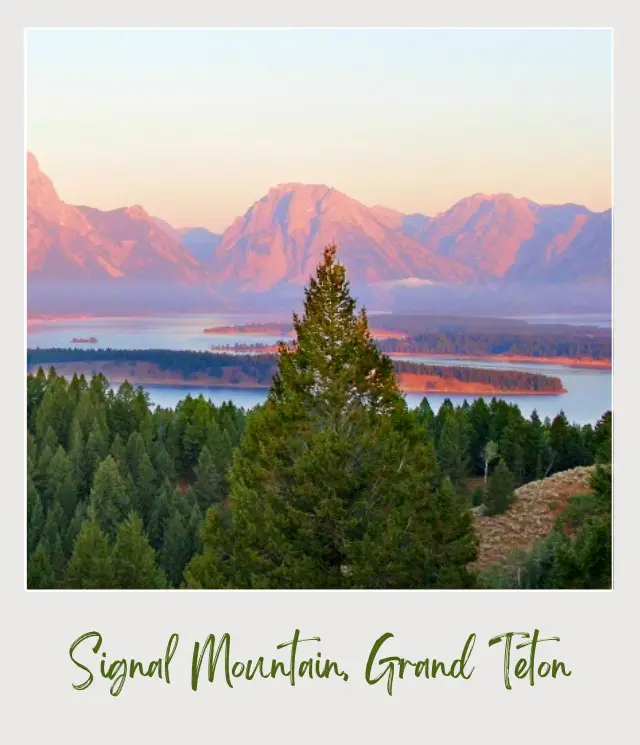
(332, 483)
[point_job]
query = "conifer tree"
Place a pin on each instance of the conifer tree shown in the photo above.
(36, 386)
(55, 411)
(51, 540)
(207, 487)
(479, 419)
(176, 547)
(195, 418)
(77, 456)
(61, 483)
(145, 487)
(425, 416)
(35, 511)
(194, 527)
(32, 448)
(91, 563)
(559, 437)
(213, 565)
(135, 450)
(332, 484)
(453, 447)
(48, 448)
(134, 560)
(118, 452)
(122, 416)
(512, 451)
(456, 536)
(77, 387)
(50, 441)
(40, 574)
(602, 438)
(163, 464)
(75, 525)
(109, 498)
(446, 408)
(99, 386)
(160, 514)
(499, 495)
(96, 450)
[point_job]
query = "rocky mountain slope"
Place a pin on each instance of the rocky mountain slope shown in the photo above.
(82, 243)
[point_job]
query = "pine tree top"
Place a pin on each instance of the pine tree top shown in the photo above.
(333, 358)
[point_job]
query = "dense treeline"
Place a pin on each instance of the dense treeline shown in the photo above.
(117, 491)
(531, 448)
(508, 380)
(261, 368)
(414, 324)
(187, 363)
(331, 483)
(96, 455)
(454, 342)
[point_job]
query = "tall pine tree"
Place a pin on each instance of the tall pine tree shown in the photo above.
(332, 484)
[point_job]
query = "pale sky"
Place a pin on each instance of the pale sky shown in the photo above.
(196, 125)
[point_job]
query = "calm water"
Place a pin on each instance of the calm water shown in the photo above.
(588, 319)
(153, 332)
(588, 391)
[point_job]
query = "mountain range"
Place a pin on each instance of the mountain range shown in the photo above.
(485, 240)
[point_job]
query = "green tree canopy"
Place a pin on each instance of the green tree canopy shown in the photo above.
(134, 560)
(91, 563)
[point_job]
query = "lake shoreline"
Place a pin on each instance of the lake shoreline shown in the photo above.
(580, 362)
(408, 382)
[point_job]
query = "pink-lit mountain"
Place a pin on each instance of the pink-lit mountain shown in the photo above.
(82, 243)
(279, 240)
(501, 236)
(281, 237)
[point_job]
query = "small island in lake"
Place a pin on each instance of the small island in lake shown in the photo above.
(88, 340)
(180, 368)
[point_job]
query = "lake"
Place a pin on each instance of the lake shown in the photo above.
(589, 391)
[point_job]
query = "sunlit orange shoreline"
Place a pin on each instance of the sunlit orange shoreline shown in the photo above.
(150, 374)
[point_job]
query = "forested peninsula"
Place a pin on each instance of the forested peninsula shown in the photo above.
(171, 367)
(503, 339)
